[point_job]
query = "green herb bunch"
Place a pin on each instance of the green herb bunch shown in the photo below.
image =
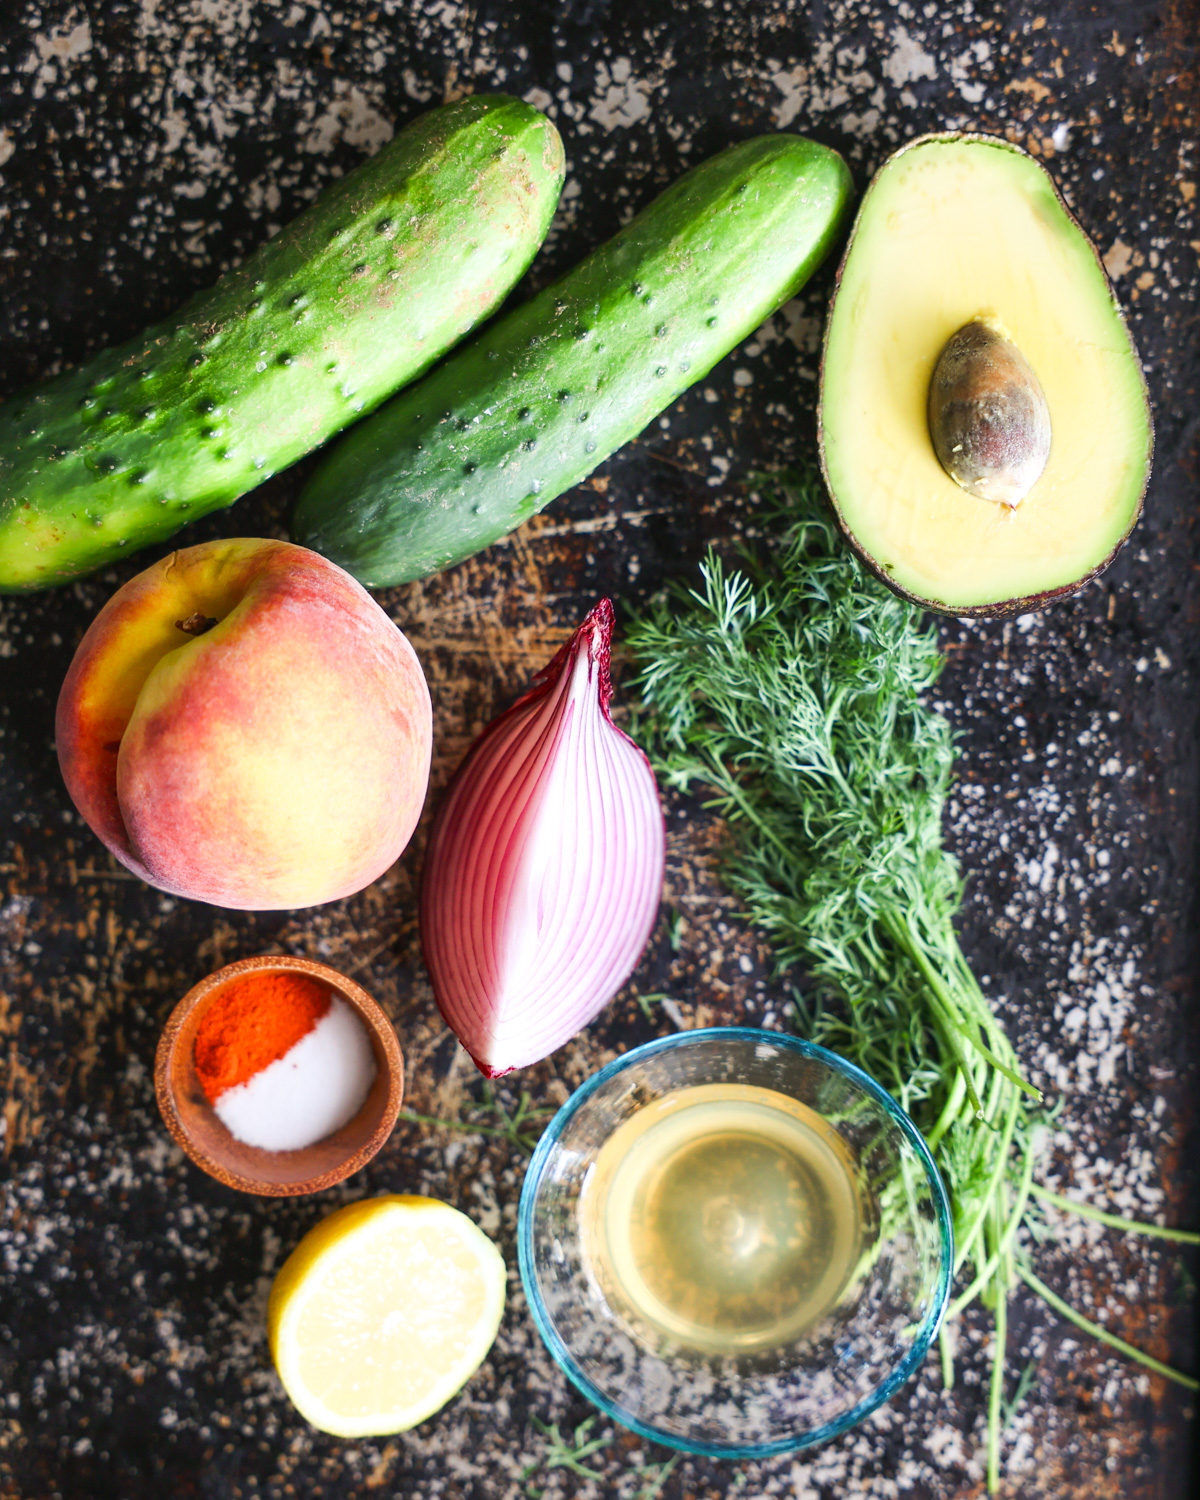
(792, 691)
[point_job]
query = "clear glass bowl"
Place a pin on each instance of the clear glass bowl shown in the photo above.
(820, 1380)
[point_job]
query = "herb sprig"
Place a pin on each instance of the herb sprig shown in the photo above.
(793, 692)
(522, 1128)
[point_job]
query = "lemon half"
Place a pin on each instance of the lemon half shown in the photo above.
(382, 1312)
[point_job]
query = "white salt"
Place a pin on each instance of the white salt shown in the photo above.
(309, 1092)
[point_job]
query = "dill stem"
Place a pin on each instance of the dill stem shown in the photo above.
(996, 1390)
(950, 1111)
(916, 951)
(947, 1357)
(942, 1001)
(510, 1131)
(999, 1169)
(1115, 1221)
(976, 1005)
(831, 716)
(998, 1092)
(1001, 1067)
(655, 1487)
(725, 780)
(950, 1034)
(464, 1125)
(1099, 1332)
(872, 960)
(992, 1264)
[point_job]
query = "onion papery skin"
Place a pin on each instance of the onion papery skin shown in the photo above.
(544, 867)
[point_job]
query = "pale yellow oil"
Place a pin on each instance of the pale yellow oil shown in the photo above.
(723, 1218)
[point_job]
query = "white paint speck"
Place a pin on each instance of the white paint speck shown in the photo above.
(908, 60)
(792, 83)
(621, 99)
(350, 116)
(1118, 258)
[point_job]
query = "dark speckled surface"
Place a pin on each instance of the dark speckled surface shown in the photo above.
(146, 144)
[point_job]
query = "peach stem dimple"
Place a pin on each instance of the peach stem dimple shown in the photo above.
(196, 623)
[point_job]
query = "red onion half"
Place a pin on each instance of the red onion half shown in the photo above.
(544, 866)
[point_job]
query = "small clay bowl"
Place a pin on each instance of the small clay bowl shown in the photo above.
(193, 1122)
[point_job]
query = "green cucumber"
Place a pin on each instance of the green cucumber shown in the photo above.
(546, 393)
(358, 295)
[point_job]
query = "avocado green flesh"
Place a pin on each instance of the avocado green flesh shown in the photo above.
(358, 295)
(551, 389)
(951, 231)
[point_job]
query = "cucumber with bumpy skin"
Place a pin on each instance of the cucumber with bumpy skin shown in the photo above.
(357, 296)
(551, 389)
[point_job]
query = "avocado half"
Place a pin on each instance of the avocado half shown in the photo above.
(957, 232)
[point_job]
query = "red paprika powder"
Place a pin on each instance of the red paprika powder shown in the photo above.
(252, 1023)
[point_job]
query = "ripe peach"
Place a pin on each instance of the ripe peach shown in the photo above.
(242, 724)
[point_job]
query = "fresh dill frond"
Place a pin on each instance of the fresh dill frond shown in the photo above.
(791, 693)
(522, 1128)
(567, 1452)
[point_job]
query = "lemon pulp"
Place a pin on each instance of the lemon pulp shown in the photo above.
(382, 1312)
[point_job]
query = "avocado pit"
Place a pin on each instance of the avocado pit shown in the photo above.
(988, 416)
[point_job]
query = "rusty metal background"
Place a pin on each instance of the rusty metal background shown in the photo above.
(146, 144)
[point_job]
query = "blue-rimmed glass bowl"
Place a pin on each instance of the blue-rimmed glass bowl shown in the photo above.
(828, 1377)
